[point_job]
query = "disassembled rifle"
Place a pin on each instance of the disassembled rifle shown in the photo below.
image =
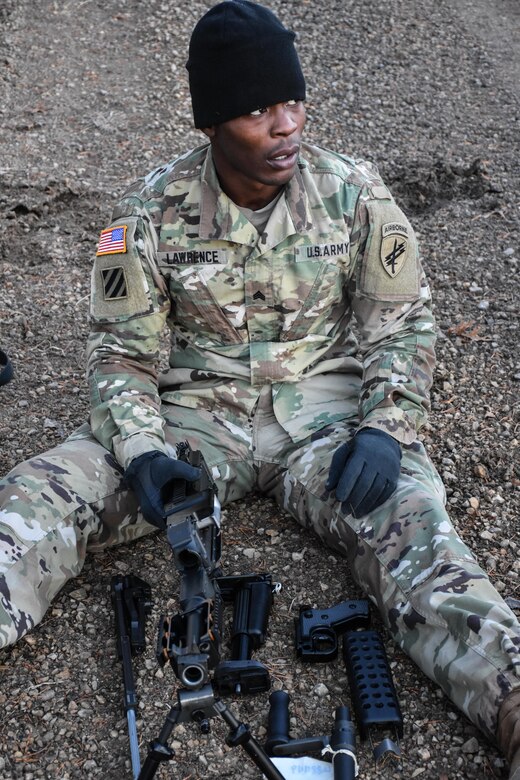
(190, 642)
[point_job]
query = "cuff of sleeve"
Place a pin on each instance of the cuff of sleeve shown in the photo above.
(126, 450)
(395, 422)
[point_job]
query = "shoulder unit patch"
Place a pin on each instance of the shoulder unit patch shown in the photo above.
(114, 283)
(394, 247)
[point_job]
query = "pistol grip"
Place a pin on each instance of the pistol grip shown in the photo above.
(278, 722)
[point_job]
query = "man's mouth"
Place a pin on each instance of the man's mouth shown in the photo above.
(285, 158)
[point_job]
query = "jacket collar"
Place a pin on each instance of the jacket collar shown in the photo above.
(220, 218)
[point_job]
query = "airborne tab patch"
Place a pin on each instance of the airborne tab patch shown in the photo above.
(112, 241)
(394, 247)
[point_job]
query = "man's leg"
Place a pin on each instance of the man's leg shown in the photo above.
(438, 604)
(226, 447)
(52, 508)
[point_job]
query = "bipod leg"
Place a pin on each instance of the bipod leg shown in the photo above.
(241, 735)
(158, 750)
(131, 601)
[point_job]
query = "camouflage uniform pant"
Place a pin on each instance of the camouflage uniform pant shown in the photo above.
(437, 603)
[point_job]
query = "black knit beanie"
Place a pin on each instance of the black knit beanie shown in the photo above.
(241, 58)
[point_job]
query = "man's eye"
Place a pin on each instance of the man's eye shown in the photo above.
(258, 112)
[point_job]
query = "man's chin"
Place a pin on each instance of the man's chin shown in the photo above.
(281, 178)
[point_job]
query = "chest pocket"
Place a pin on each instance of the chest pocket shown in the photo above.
(206, 297)
(314, 284)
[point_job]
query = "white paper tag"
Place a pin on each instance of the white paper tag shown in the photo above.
(303, 768)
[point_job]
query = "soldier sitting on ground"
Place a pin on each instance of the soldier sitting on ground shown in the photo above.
(257, 249)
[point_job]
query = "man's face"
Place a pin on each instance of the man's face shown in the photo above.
(256, 154)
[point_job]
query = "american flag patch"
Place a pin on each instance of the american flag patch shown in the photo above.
(112, 241)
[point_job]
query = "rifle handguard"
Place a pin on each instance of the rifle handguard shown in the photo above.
(372, 689)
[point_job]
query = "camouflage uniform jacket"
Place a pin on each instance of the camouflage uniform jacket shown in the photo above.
(248, 309)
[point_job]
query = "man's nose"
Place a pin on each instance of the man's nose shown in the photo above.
(284, 122)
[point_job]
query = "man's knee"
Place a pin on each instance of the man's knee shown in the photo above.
(14, 623)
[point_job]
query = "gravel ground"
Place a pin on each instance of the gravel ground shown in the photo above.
(94, 93)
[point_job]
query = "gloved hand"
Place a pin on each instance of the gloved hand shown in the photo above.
(150, 476)
(364, 471)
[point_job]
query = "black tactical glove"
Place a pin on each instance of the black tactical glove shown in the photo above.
(364, 471)
(151, 476)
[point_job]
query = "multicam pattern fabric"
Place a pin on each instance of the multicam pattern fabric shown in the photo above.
(247, 310)
(267, 379)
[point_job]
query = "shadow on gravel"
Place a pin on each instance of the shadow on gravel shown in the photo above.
(420, 187)
(6, 9)
(38, 221)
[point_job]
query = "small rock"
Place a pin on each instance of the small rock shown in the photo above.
(470, 746)
(321, 690)
(80, 594)
(481, 471)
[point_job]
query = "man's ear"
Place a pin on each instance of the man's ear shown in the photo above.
(209, 131)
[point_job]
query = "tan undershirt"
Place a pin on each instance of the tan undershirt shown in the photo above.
(260, 217)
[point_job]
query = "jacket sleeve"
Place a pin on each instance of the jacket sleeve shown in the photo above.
(392, 306)
(129, 307)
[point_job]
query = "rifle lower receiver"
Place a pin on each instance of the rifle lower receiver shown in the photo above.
(183, 497)
(317, 630)
(192, 512)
